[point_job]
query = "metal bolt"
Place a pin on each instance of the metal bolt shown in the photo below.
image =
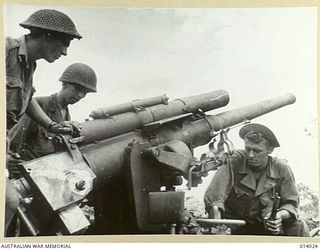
(156, 152)
(27, 200)
(81, 185)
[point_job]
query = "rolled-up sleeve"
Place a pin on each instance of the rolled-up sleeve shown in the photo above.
(289, 192)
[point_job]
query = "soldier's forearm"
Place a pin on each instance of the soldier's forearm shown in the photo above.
(36, 113)
(215, 212)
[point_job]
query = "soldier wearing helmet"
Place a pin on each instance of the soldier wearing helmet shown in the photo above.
(53, 31)
(77, 80)
(244, 188)
(50, 35)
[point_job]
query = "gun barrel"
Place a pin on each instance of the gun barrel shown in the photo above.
(99, 129)
(129, 106)
(197, 133)
(233, 117)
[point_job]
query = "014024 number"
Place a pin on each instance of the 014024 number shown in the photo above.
(309, 245)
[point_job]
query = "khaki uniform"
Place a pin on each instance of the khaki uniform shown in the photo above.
(19, 89)
(33, 140)
(235, 191)
(19, 79)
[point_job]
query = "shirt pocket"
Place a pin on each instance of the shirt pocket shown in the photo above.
(47, 135)
(239, 203)
(265, 200)
(241, 195)
(266, 204)
(45, 141)
(14, 94)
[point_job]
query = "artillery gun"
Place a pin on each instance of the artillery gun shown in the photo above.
(127, 162)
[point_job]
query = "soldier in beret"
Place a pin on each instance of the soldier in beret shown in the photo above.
(244, 188)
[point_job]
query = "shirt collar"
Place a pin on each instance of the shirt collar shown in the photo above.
(53, 103)
(267, 180)
(271, 168)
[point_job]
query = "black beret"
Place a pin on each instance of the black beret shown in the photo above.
(265, 132)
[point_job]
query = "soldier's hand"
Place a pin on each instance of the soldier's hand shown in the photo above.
(66, 127)
(273, 226)
(75, 127)
(13, 164)
(214, 213)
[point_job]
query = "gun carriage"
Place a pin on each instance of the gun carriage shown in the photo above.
(127, 162)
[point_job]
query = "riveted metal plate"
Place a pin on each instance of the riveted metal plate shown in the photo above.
(55, 177)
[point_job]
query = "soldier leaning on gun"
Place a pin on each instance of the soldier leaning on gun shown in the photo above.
(50, 35)
(244, 188)
(34, 140)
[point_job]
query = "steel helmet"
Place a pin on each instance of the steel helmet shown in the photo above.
(51, 20)
(81, 74)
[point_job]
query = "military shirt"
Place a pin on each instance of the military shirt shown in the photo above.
(236, 192)
(19, 79)
(38, 141)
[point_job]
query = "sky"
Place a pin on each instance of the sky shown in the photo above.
(254, 54)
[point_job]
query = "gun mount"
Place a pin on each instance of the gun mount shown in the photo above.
(128, 165)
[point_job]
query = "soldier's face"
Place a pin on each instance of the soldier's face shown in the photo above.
(73, 93)
(54, 48)
(257, 154)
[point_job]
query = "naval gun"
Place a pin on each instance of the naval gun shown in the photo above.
(127, 164)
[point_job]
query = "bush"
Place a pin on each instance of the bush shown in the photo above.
(309, 206)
